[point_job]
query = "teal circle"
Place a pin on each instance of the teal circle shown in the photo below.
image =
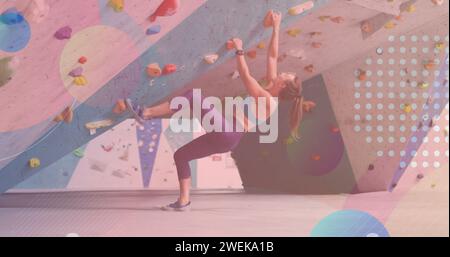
(349, 223)
(15, 31)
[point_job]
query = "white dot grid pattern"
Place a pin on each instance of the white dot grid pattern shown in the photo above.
(393, 80)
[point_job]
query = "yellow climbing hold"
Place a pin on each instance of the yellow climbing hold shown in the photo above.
(34, 163)
(390, 25)
(411, 8)
(324, 18)
(424, 85)
(407, 108)
(294, 32)
(80, 81)
(117, 5)
(440, 46)
(261, 45)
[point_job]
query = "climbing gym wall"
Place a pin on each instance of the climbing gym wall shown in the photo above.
(337, 41)
(376, 69)
(93, 62)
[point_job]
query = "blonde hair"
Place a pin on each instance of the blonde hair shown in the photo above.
(294, 92)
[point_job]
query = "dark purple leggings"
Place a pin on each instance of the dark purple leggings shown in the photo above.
(204, 146)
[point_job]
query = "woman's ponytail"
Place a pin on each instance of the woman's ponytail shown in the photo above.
(296, 117)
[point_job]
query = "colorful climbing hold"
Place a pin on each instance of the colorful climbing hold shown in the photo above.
(299, 9)
(82, 60)
(371, 167)
(80, 81)
(153, 70)
(166, 8)
(411, 8)
(366, 27)
(316, 157)
(5, 71)
(420, 176)
(335, 129)
(235, 75)
(261, 45)
(268, 20)
(390, 25)
(438, 2)
(37, 10)
(308, 106)
(93, 126)
(429, 65)
(440, 46)
(120, 107)
(230, 45)
(34, 163)
(337, 20)
(310, 68)
(407, 108)
(252, 54)
(117, 5)
(66, 115)
(79, 153)
(424, 85)
(63, 33)
(77, 72)
(211, 58)
(296, 53)
(316, 44)
(294, 32)
(362, 75)
(169, 69)
(324, 18)
(153, 30)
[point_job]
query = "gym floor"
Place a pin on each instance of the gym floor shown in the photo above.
(214, 213)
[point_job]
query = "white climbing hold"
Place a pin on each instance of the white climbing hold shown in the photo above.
(211, 58)
(37, 11)
(299, 9)
(297, 53)
(235, 75)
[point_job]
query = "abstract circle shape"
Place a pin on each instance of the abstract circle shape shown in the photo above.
(349, 223)
(15, 31)
(106, 51)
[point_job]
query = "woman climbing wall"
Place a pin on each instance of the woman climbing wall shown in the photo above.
(285, 86)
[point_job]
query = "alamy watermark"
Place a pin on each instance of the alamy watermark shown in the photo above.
(235, 114)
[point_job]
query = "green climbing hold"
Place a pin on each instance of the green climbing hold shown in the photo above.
(5, 71)
(79, 153)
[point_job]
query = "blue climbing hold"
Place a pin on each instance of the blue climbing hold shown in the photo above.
(154, 30)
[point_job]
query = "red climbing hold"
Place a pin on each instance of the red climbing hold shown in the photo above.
(166, 8)
(316, 157)
(169, 68)
(120, 107)
(230, 45)
(82, 60)
(335, 129)
(252, 54)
